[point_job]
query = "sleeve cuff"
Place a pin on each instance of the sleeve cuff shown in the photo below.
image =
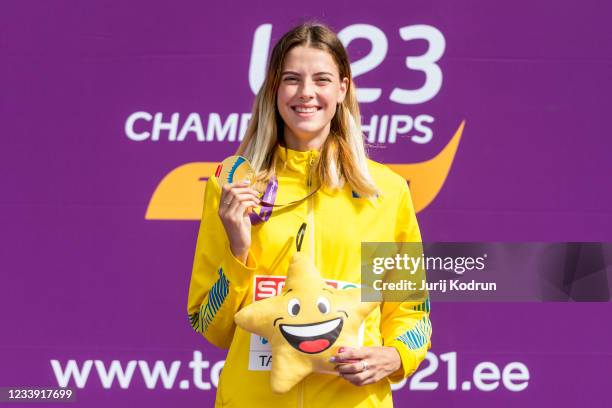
(408, 362)
(239, 273)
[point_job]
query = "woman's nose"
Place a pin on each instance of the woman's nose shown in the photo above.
(306, 90)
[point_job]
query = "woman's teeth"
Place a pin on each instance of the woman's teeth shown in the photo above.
(305, 110)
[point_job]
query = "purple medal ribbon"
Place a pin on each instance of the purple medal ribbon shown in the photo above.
(268, 197)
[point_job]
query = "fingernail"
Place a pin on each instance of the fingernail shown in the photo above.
(341, 350)
(332, 359)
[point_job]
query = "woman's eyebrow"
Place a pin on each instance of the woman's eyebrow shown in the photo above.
(296, 73)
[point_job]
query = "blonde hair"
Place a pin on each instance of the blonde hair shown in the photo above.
(343, 156)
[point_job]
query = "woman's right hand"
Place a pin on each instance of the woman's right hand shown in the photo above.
(236, 201)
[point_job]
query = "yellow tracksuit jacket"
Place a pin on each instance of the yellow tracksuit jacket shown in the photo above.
(337, 222)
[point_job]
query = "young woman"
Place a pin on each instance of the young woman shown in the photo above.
(305, 144)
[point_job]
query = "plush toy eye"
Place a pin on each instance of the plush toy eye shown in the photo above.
(323, 305)
(293, 307)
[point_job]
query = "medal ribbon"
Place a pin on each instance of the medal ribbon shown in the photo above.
(268, 200)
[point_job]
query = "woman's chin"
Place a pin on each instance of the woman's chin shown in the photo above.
(306, 135)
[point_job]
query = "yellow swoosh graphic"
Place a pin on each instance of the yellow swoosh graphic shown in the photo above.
(427, 178)
(180, 194)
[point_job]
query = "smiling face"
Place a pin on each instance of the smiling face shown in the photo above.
(324, 325)
(309, 91)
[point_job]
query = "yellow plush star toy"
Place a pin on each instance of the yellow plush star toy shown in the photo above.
(304, 322)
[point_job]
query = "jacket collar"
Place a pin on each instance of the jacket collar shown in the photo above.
(298, 161)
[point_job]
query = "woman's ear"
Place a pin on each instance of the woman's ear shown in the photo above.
(343, 88)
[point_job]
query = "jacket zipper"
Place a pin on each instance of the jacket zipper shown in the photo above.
(311, 220)
(311, 227)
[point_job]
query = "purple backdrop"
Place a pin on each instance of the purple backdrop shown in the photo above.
(86, 277)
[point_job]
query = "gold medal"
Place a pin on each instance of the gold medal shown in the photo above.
(234, 169)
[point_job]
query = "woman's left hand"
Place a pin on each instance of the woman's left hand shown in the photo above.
(366, 365)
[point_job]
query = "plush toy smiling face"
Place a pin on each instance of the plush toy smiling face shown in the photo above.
(313, 337)
(304, 322)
